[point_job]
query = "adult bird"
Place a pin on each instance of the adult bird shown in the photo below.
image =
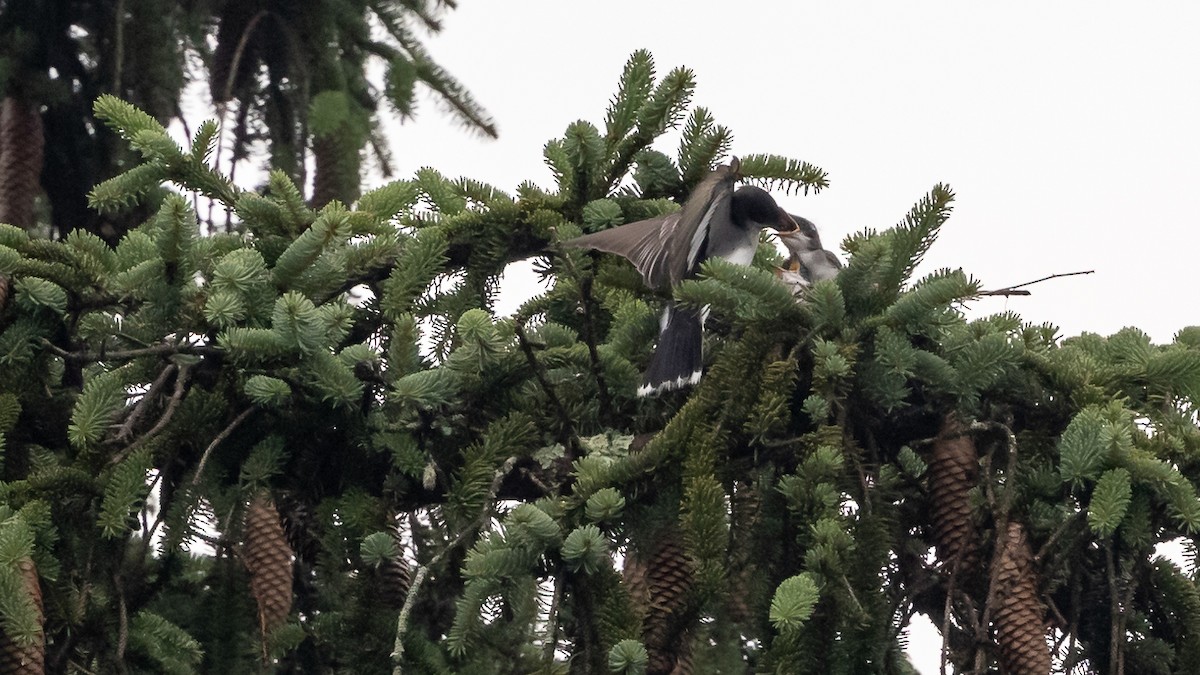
(716, 221)
(808, 261)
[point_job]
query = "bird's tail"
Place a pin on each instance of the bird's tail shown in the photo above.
(678, 359)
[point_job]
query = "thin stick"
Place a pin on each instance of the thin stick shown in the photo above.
(125, 355)
(1114, 642)
(149, 530)
(118, 47)
(1012, 290)
(539, 372)
(139, 411)
(946, 610)
(217, 441)
(586, 300)
(181, 381)
(552, 621)
(1058, 532)
(236, 62)
(1001, 543)
(423, 570)
(122, 623)
(585, 291)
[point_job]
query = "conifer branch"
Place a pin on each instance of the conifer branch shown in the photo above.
(122, 622)
(181, 382)
(1116, 635)
(423, 571)
(1080, 516)
(567, 436)
(1000, 547)
(589, 333)
(164, 349)
(1013, 290)
(139, 411)
(226, 91)
(118, 49)
(589, 337)
(552, 620)
(218, 439)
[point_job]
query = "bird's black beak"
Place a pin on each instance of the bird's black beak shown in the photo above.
(785, 222)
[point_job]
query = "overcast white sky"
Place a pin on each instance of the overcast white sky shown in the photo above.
(1070, 131)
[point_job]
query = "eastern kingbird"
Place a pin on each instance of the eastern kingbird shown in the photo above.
(715, 221)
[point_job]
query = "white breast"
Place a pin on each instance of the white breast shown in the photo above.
(743, 253)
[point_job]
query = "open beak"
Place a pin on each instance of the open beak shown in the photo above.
(795, 240)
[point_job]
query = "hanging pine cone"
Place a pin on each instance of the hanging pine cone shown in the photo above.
(1020, 618)
(669, 583)
(269, 561)
(633, 575)
(953, 471)
(26, 659)
(21, 145)
(5, 289)
(684, 663)
(394, 576)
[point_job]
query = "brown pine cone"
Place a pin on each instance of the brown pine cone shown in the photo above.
(26, 659)
(394, 576)
(669, 581)
(953, 471)
(1020, 618)
(21, 146)
(269, 561)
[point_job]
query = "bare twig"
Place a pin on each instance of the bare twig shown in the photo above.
(123, 623)
(552, 622)
(567, 436)
(76, 666)
(139, 411)
(423, 571)
(118, 47)
(947, 609)
(1116, 636)
(1002, 516)
(149, 530)
(181, 382)
(1012, 290)
(163, 349)
(132, 338)
(1058, 532)
(217, 441)
(589, 337)
(236, 62)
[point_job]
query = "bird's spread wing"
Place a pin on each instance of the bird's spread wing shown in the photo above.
(640, 242)
(664, 249)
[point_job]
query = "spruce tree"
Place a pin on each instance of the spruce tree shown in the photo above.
(289, 75)
(310, 445)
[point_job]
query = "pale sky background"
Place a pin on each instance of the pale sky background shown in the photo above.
(1068, 130)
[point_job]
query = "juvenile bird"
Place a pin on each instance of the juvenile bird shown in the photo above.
(808, 260)
(715, 221)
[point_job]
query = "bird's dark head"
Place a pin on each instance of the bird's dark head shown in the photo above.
(754, 207)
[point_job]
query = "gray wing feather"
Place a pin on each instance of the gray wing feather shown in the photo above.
(663, 249)
(640, 243)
